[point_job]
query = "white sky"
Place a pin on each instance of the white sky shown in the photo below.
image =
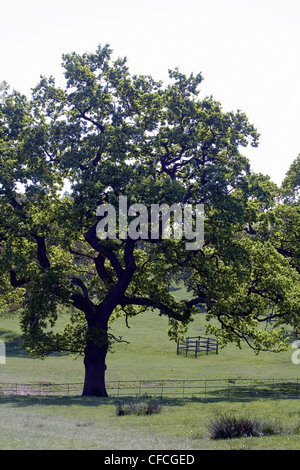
(247, 50)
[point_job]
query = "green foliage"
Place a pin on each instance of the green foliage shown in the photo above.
(291, 183)
(108, 133)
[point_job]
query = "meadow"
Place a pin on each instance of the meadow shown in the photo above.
(75, 422)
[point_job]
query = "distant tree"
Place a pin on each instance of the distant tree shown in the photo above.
(3, 90)
(291, 183)
(109, 134)
(283, 221)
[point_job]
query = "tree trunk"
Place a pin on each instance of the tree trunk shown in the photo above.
(95, 367)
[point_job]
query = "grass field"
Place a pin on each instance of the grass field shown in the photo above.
(33, 422)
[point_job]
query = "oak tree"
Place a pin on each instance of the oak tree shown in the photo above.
(107, 134)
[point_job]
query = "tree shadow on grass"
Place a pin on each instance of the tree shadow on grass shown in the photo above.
(13, 344)
(28, 401)
(78, 400)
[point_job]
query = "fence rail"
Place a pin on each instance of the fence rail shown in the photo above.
(218, 389)
(196, 344)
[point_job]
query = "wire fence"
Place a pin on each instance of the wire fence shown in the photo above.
(214, 389)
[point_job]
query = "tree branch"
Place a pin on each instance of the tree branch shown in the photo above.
(94, 242)
(83, 302)
(41, 251)
(128, 254)
(100, 268)
(16, 282)
(92, 121)
(15, 203)
(145, 301)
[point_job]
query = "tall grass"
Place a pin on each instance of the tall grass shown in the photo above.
(230, 426)
(139, 409)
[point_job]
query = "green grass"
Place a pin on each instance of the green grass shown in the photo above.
(148, 354)
(91, 423)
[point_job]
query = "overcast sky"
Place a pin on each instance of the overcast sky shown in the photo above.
(247, 50)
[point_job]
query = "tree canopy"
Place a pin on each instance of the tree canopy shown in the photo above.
(109, 134)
